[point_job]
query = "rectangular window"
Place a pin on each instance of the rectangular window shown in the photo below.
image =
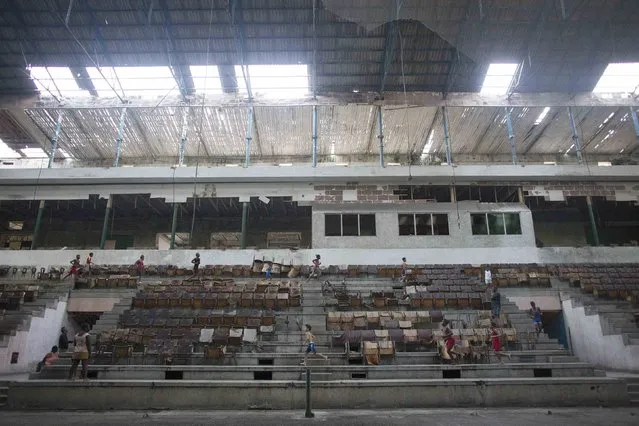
(513, 226)
(423, 224)
(367, 225)
(479, 225)
(349, 225)
(440, 224)
(333, 225)
(406, 224)
(495, 223)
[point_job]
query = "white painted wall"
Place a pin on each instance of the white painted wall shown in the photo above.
(359, 256)
(591, 345)
(33, 344)
(459, 224)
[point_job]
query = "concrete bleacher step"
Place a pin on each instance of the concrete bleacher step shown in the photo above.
(633, 390)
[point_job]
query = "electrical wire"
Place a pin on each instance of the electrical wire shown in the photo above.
(199, 144)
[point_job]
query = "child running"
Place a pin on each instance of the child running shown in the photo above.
(309, 340)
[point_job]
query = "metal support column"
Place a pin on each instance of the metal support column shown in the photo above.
(118, 141)
(593, 224)
(575, 137)
(453, 194)
(449, 154)
(185, 129)
(249, 135)
(380, 136)
(314, 135)
(36, 228)
(635, 120)
(511, 136)
(245, 213)
(309, 412)
(105, 224)
(520, 195)
(176, 209)
(56, 137)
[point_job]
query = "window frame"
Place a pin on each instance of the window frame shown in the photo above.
(432, 224)
(503, 222)
(359, 224)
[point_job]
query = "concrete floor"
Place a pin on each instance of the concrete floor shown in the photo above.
(444, 417)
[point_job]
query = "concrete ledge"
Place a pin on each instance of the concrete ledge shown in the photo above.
(330, 372)
(289, 395)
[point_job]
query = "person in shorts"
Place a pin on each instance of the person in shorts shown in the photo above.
(535, 314)
(311, 346)
(139, 267)
(196, 263)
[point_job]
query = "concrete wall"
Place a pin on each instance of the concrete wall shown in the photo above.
(591, 345)
(34, 343)
(289, 395)
(459, 225)
(474, 256)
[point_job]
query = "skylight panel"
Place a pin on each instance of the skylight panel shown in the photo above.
(34, 153)
(619, 78)
(6, 152)
(541, 117)
(429, 145)
(144, 82)
(206, 79)
(498, 79)
(56, 81)
(280, 81)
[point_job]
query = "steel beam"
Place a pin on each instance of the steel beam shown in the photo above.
(105, 224)
(593, 223)
(56, 137)
(176, 209)
(183, 138)
(380, 136)
(575, 137)
(413, 98)
(118, 141)
(449, 152)
(245, 214)
(36, 228)
(249, 135)
(511, 136)
(314, 135)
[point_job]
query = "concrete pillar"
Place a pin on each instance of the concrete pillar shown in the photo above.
(449, 151)
(593, 224)
(176, 207)
(380, 136)
(245, 213)
(314, 135)
(453, 194)
(36, 228)
(105, 224)
(520, 195)
(56, 137)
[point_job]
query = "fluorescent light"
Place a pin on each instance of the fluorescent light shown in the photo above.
(282, 81)
(550, 163)
(341, 164)
(604, 164)
(541, 117)
(57, 81)
(34, 153)
(332, 148)
(232, 165)
(285, 164)
(568, 150)
(619, 78)
(355, 91)
(498, 79)
(393, 164)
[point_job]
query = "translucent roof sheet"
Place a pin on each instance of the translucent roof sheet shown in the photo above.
(619, 78)
(498, 79)
(56, 81)
(133, 81)
(281, 81)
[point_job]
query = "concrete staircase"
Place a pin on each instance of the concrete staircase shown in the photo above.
(109, 320)
(633, 390)
(4, 394)
(20, 320)
(522, 322)
(615, 317)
